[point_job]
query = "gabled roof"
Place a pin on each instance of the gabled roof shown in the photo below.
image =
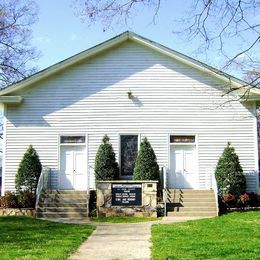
(234, 82)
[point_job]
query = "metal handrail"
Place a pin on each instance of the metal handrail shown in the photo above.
(165, 190)
(214, 186)
(42, 183)
(88, 187)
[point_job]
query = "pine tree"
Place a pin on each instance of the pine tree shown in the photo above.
(29, 171)
(106, 167)
(146, 167)
(229, 173)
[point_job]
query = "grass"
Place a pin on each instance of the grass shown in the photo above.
(117, 219)
(232, 236)
(28, 238)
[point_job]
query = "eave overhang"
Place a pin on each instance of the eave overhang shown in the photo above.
(11, 99)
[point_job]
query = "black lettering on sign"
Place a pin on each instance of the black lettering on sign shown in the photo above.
(127, 194)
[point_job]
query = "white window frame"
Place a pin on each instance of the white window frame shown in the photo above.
(185, 143)
(72, 144)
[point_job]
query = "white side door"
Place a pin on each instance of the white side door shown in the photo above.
(190, 171)
(66, 169)
(73, 168)
(80, 170)
(183, 167)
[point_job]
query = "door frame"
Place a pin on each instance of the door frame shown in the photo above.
(72, 144)
(196, 144)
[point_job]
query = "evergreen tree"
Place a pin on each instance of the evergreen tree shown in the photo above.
(229, 173)
(106, 167)
(29, 171)
(146, 167)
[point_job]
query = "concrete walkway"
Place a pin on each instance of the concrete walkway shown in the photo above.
(121, 241)
(117, 241)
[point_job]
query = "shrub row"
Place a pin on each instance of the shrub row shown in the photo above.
(244, 200)
(25, 199)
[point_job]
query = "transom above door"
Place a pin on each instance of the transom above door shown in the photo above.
(183, 172)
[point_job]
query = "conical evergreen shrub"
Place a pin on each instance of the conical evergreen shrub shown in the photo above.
(29, 171)
(146, 167)
(229, 173)
(106, 167)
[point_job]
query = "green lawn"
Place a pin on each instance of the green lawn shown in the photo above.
(232, 236)
(28, 238)
(124, 219)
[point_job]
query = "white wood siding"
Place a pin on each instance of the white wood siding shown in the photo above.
(91, 97)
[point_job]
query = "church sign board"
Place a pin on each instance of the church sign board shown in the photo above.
(126, 194)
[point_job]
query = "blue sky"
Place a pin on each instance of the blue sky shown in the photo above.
(59, 34)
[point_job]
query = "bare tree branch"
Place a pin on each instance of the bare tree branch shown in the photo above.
(214, 22)
(16, 19)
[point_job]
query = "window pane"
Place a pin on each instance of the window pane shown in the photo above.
(129, 149)
(182, 139)
(72, 139)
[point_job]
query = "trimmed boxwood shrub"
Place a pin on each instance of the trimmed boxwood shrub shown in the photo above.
(106, 167)
(146, 166)
(229, 173)
(29, 171)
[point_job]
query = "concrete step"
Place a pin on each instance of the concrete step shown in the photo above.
(62, 200)
(191, 200)
(193, 204)
(64, 196)
(189, 191)
(192, 214)
(192, 209)
(61, 215)
(83, 220)
(62, 209)
(190, 195)
(64, 192)
(64, 205)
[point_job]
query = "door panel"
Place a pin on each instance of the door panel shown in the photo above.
(189, 161)
(80, 176)
(177, 162)
(73, 168)
(66, 173)
(79, 165)
(183, 167)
